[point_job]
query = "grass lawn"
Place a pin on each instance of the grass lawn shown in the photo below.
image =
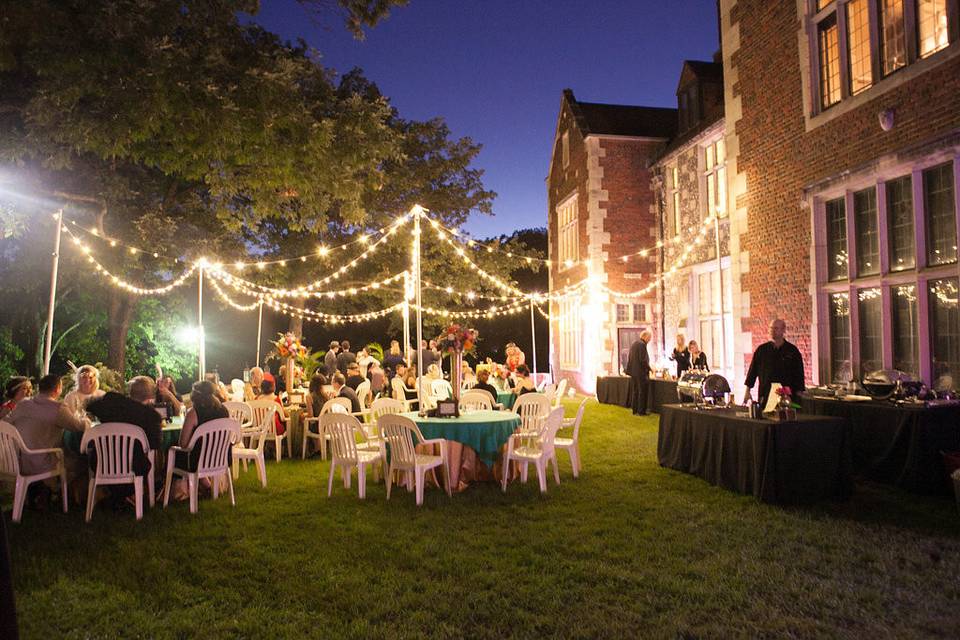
(627, 550)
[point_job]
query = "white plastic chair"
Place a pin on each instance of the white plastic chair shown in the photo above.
(558, 396)
(241, 412)
(254, 450)
(475, 400)
(236, 390)
(259, 408)
(114, 444)
(363, 392)
(572, 445)
(540, 451)
(333, 405)
(398, 434)
(440, 390)
(550, 391)
(346, 453)
(385, 406)
(11, 448)
(533, 409)
(400, 391)
(214, 439)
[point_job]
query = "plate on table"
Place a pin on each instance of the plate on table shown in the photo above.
(856, 398)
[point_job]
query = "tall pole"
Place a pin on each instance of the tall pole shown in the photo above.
(48, 340)
(406, 317)
(259, 329)
(533, 340)
(417, 212)
(203, 345)
(723, 323)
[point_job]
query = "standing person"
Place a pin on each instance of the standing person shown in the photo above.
(345, 357)
(638, 367)
(330, 359)
(775, 361)
(698, 359)
(393, 359)
(87, 389)
(18, 388)
(365, 360)
(681, 355)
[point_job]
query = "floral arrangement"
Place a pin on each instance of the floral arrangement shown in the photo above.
(457, 339)
(289, 346)
(785, 392)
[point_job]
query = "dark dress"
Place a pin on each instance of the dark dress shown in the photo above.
(638, 367)
(700, 362)
(682, 359)
(204, 414)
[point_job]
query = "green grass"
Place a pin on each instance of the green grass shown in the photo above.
(627, 550)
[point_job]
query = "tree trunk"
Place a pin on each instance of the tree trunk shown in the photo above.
(119, 316)
(295, 325)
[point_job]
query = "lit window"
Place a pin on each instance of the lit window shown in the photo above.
(868, 237)
(836, 240)
(623, 313)
(871, 330)
(858, 44)
(906, 337)
(900, 220)
(569, 333)
(639, 313)
(568, 232)
(932, 26)
(716, 182)
(893, 36)
(944, 331)
(829, 41)
(941, 220)
(675, 199)
(840, 369)
(565, 148)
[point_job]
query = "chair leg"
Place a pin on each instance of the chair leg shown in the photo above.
(166, 485)
(215, 486)
(233, 500)
(151, 481)
(138, 496)
(389, 480)
(575, 455)
(362, 480)
(261, 470)
(346, 471)
(419, 472)
(19, 497)
(333, 467)
(276, 448)
(236, 468)
(556, 468)
(523, 471)
(446, 480)
(289, 446)
(63, 488)
(506, 472)
(91, 491)
(542, 474)
(192, 483)
(303, 447)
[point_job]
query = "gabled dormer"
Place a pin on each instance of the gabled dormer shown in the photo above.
(699, 94)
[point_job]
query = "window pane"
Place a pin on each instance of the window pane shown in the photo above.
(716, 345)
(871, 330)
(822, 3)
(705, 296)
(858, 45)
(710, 156)
(944, 331)
(706, 338)
(868, 239)
(711, 194)
(941, 220)
(900, 220)
(623, 313)
(676, 214)
(829, 46)
(715, 291)
(840, 338)
(836, 240)
(639, 313)
(721, 151)
(722, 191)
(932, 26)
(905, 333)
(893, 36)
(727, 291)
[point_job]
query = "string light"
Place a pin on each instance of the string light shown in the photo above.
(262, 291)
(236, 305)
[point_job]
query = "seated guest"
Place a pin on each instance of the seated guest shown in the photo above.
(251, 390)
(354, 379)
(376, 377)
(18, 388)
(205, 407)
(409, 382)
(343, 391)
(269, 391)
(482, 383)
(698, 359)
(315, 395)
(524, 383)
(221, 390)
(167, 397)
(135, 408)
(41, 421)
(87, 389)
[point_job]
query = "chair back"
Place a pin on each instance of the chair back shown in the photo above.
(550, 391)
(550, 427)
(240, 411)
(398, 434)
(384, 406)
(441, 390)
(475, 399)
(113, 443)
(10, 446)
(397, 386)
(236, 390)
(215, 438)
(363, 392)
(336, 405)
(533, 409)
(263, 410)
(561, 389)
(578, 420)
(342, 429)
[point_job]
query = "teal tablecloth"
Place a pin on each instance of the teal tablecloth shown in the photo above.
(483, 431)
(171, 435)
(506, 398)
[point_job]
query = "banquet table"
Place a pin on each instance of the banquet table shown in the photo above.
(777, 462)
(170, 435)
(506, 398)
(898, 445)
(616, 390)
(474, 438)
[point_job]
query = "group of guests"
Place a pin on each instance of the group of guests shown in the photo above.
(687, 355)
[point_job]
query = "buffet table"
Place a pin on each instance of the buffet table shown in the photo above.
(898, 445)
(616, 390)
(777, 462)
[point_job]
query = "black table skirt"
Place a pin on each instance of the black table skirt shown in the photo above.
(777, 462)
(616, 390)
(897, 445)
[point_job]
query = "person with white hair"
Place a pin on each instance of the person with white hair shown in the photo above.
(87, 388)
(638, 367)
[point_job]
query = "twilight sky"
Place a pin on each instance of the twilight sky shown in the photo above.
(495, 69)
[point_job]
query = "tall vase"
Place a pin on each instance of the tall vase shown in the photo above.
(456, 373)
(288, 375)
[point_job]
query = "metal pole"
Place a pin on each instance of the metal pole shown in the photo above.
(417, 212)
(48, 340)
(406, 317)
(533, 340)
(723, 323)
(259, 329)
(203, 345)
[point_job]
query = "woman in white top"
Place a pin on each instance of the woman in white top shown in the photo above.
(87, 389)
(365, 360)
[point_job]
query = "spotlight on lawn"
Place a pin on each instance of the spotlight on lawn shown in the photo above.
(189, 336)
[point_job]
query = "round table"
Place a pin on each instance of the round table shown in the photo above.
(506, 398)
(474, 436)
(170, 435)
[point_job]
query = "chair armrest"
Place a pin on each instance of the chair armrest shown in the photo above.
(440, 441)
(178, 448)
(54, 450)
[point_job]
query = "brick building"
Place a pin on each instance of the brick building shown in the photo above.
(602, 209)
(840, 129)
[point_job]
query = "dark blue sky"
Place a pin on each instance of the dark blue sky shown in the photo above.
(495, 69)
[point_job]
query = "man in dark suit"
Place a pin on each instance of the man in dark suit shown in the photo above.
(345, 357)
(775, 361)
(638, 368)
(343, 391)
(330, 359)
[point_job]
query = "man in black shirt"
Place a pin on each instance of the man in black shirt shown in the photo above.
(775, 361)
(345, 357)
(343, 391)
(638, 368)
